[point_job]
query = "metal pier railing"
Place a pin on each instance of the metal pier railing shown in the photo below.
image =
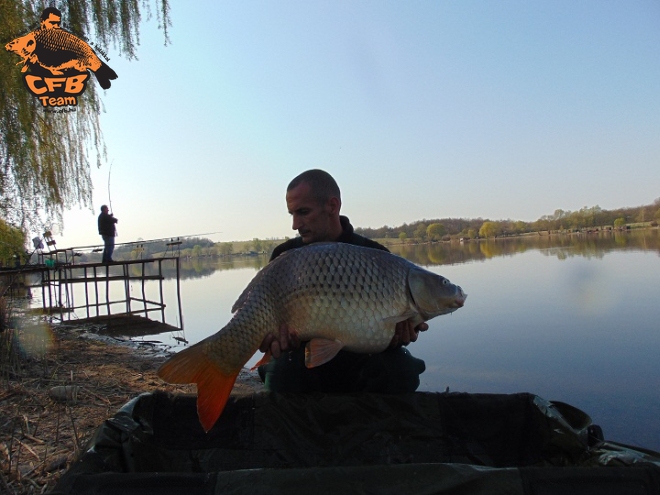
(108, 290)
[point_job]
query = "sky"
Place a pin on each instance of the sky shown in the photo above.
(419, 109)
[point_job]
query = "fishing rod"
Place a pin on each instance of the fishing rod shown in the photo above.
(149, 241)
(110, 197)
(172, 238)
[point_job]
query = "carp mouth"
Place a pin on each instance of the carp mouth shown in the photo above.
(450, 307)
(458, 302)
(460, 299)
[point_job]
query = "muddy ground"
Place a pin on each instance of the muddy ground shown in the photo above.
(43, 425)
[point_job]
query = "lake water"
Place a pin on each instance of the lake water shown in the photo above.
(569, 318)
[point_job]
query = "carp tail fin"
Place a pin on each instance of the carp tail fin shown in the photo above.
(213, 386)
(104, 74)
(212, 393)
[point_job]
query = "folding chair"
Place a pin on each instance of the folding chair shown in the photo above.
(50, 242)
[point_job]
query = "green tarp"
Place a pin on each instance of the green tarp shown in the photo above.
(359, 443)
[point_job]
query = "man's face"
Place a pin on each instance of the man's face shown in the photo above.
(310, 218)
(53, 21)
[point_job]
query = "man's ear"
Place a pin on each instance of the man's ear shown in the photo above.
(334, 205)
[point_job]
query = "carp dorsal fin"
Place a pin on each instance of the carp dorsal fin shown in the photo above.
(320, 351)
(255, 281)
(246, 292)
(257, 278)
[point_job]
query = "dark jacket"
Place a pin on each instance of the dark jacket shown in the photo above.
(107, 224)
(394, 370)
(348, 236)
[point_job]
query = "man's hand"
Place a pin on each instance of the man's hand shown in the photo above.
(405, 333)
(286, 341)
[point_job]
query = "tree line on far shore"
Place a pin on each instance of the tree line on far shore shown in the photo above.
(443, 229)
(561, 220)
(12, 247)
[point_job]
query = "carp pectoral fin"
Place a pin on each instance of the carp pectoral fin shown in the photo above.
(213, 386)
(265, 359)
(320, 351)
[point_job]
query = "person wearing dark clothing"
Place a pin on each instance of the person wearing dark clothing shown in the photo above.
(108, 232)
(313, 200)
(347, 236)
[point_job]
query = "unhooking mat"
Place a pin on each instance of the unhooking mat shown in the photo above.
(421, 442)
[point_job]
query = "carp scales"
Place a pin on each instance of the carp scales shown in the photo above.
(334, 296)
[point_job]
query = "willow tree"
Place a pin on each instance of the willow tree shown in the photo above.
(46, 158)
(12, 245)
(489, 229)
(435, 231)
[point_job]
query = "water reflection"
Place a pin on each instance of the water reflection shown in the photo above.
(562, 247)
(204, 267)
(580, 327)
(197, 267)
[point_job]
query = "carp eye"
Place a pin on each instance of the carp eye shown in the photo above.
(30, 43)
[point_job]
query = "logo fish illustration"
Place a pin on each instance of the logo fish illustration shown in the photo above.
(52, 51)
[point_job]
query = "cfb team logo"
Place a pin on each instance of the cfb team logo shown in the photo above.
(56, 63)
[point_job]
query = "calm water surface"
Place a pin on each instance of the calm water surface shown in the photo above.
(574, 319)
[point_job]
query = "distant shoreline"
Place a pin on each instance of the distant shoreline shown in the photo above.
(544, 233)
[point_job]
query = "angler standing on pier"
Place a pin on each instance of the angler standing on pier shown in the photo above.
(108, 231)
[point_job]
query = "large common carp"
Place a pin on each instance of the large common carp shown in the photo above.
(333, 295)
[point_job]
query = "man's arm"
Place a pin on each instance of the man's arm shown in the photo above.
(287, 339)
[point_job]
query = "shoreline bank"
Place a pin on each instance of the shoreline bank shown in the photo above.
(42, 431)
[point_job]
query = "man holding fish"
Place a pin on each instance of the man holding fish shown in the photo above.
(335, 297)
(313, 199)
